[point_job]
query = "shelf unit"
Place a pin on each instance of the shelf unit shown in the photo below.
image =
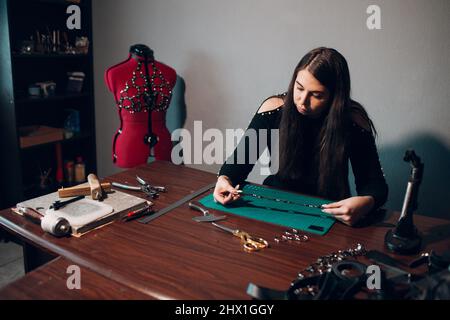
(20, 168)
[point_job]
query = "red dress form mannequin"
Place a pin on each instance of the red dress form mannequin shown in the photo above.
(130, 84)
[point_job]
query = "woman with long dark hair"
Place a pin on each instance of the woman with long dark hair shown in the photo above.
(320, 129)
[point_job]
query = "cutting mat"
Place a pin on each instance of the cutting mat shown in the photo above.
(303, 218)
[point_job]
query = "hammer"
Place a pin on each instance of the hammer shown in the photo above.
(85, 190)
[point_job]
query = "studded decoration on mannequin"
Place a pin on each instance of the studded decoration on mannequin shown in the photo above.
(142, 88)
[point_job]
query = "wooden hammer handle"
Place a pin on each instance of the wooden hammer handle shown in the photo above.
(81, 190)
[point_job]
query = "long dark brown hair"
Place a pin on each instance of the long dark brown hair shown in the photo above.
(331, 69)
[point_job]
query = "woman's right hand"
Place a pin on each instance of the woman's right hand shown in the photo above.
(224, 191)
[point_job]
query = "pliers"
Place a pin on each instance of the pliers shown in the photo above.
(150, 190)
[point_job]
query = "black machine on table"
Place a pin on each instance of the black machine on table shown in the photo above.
(405, 239)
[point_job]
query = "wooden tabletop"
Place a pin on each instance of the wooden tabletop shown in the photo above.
(174, 257)
(50, 282)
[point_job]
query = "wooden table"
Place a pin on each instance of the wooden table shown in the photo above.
(50, 282)
(174, 257)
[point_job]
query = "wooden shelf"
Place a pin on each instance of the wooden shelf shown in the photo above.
(47, 55)
(59, 2)
(59, 97)
(21, 167)
(77, 137)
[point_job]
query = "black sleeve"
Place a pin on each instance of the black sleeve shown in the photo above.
(236, 167)
(369, 176)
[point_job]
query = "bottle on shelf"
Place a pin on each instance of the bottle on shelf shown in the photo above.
(70, 170)
(80, 170)
(72, 124)
(59, 165)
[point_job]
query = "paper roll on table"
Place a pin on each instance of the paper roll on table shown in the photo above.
(50, 223)
(57, 226)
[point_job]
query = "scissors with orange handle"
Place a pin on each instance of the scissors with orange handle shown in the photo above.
(250, 244)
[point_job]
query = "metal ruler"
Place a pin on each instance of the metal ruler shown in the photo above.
(178, 203)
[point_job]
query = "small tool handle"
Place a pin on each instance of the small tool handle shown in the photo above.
(59, 204)
(141, 181)
(137, 213)
(31, 214)
(126, 187)
(159, 188)
(197, 206)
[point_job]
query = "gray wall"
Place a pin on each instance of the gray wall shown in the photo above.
(232, 54)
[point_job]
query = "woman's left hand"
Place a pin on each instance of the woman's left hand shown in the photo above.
(350, 210)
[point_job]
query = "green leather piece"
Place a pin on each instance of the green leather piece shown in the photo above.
(303, 218)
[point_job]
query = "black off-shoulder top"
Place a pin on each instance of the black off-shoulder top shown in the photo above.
(362, 153)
